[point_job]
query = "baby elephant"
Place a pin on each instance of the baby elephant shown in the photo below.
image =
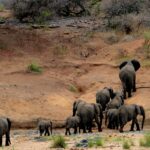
(45, 126)
(72, 122)
(5, 125)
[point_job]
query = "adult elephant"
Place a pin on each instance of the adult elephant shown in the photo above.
(5, 125)
(116, 102)
(128, 76)
(87, 113)
(103, 96)
(130, 112)
(112, 115)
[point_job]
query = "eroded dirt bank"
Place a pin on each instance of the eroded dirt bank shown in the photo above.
(75, 62)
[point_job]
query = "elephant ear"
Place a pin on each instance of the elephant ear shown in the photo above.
(122, 64)
(136, 64)
(112, 94)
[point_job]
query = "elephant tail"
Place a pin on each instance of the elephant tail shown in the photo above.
(9, 123)
(106, 117)
(51, 128)
(143, 114)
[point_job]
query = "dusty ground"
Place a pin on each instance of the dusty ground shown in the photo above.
(30, 140)
(76, 62)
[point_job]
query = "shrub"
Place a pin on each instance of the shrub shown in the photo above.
(34, 68)
(32, 10)
(145, 142)
(2, 7)
(126, 15)
(35, 10)
(126, 145)
(112, 8)
(59, 142)
(147, 44)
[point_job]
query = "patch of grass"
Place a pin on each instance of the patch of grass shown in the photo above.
(60, 50)
(147, 44)
(99, 142)
(2, 8)
(123, 58)
(33, 67)
(145, 142)
(126, 144)
(73, 88)
(59, 142)
(91, 143)
(95, 142)
(146, 63)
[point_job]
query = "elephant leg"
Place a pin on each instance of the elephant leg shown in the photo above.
(137, 125)
(66, 132)
(134, 85)
(75, 130)
(7, 139)
(41, 132)
(84, 129)
(121, 128)
(99, 124)
(129, 93)
(48, 132)
(132, 125)
(69, 131)
(90, 128)
(1, 141)
(124, 93)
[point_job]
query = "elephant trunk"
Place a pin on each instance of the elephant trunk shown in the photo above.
(143, 114)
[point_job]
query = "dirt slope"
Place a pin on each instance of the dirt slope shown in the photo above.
(75, 64)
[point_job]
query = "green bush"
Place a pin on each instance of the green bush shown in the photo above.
(2, 7)
(34, 68)
(145, 142)
(59, 142)
(126, 144)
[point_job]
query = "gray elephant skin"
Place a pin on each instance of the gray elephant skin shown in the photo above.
(87, 113)
(45, 126)
(116, 102)
(103, 96)
(112, 115)
(127, 76)
(72, 122)
(5, 125)
(129, 113)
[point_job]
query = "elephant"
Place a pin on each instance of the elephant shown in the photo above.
(87, 113)
(116, 102)
(45, 126)
(72, 122)
(113, 117)
(5, 125)
(103, 96)
(127, 76)
(130, 112)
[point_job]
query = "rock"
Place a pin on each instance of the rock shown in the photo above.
(127, 38)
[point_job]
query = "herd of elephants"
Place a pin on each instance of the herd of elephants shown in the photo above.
(109, 105)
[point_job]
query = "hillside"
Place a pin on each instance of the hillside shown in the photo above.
(75, 62)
